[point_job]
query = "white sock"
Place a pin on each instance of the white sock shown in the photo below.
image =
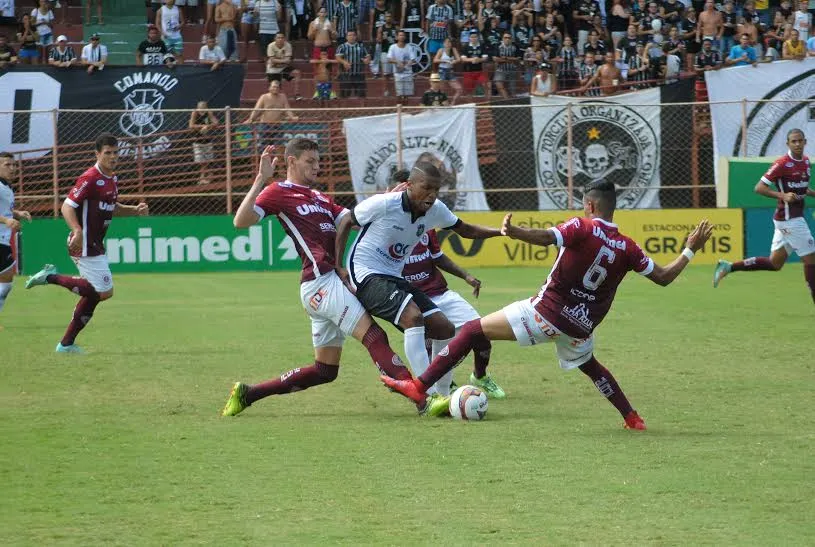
(415, 351)
(5, 289)
(443, 385)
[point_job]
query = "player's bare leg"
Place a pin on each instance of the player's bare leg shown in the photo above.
(610, 389)
(6, 284)
(809, 273)
(772, 263)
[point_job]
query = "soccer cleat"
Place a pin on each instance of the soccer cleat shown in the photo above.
(488, 386)
(436, 405)
(408, 388)
(41, 277)
(73, 348)
(722, 269)
(237, 400)
(633, 421)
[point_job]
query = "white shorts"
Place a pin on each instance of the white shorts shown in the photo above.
(793, 235)
(96, 270)
(457, 310)
(530, 329)
(333, 310)
(202, 152)
(403, 86)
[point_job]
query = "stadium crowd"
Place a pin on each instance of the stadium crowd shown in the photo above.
(475, 47)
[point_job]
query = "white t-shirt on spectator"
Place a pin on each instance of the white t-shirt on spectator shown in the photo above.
(215, 54)
(402, 55)
(801, 24)
(43, 21)
(170, 22)
(94, 55)
(267, 11)
(7, 8)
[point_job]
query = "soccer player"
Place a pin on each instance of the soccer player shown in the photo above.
(88, 210)
(392, 224)
(423, 270)
(9, 223)
(790, 175)
(593, 259)
(310, 218)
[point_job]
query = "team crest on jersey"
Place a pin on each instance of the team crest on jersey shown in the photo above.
(610, 141)
(100, 183)
(789, 164)
(420, 230)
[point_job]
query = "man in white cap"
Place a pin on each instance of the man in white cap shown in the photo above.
(62, 55)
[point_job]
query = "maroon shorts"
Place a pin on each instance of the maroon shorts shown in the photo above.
(315, 52)
(469, 80)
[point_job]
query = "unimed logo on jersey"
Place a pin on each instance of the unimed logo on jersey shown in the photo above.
(143, 94)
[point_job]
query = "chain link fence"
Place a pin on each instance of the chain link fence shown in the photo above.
(529, 157)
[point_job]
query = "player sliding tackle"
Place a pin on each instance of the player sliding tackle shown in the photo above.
(593, 259)
(790, 175)
(310, 218)
(392, 224)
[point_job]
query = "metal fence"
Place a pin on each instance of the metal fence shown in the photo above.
(521, 157)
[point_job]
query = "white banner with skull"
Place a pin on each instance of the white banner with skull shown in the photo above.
(443, 136)
(613, 138)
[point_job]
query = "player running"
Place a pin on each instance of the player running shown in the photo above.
(790, 175)
(392, 225)
(593, 259)
(310, 219)
(423, 270)
(9, 223)
(88, 210)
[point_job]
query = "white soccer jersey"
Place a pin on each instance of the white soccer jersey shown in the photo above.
(6, 205)
(389, 233)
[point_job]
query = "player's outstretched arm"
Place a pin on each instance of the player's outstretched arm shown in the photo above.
(122, 210)
(529, 235)
(246, 216)
(664, 275)
(445, 263)
(474, 231)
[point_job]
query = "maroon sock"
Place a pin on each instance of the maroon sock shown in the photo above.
(809, 274)
(753, 264)
(77, 285)
(83, 312)
(294, 380)
(482, 360)
(468, 338)
(376, 342)
(607, 385)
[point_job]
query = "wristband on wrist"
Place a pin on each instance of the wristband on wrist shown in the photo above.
(687, 253)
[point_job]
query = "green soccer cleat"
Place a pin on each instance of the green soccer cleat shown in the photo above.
(722, 269)
(488, 386)
(41, 277)
(436, 405)
(73, 348)
(237, 400)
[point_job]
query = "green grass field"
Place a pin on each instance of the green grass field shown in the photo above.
(126, 445)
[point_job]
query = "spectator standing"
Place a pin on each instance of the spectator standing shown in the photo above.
(271, 107)
(596, 46)
(27, 36)
(151, 52)
(402, 56)
(473, 58)
(533, 57)
(710, 23)
(94, 55)
(568, 70)
(225, 14)
(168, 22)
(413, 14)
(249, 26)
(434, 96)
(639, 66)
(268, 16)
(743, 53)
(438, 23)
(210, 27)
(377, 21)
(544, 82)
(298, 16)
(353, 56)
(802, 20)
(672, 64)
(203, 123)
(211, 54)
(583, 15)
(99, 20)
(345, 20)
(672, 12)
(8, 57)
(520, 33)
(446, 59)
(588, 71)
(62, 55)
(43, 18)
(688, 33)
(729, 27)
(322, 76)
(323, 33)
(385, 38)
(618, 21)
(708, 58)
(794, 49)
(279, 64)
(506, 66)
(492, 37)
(608, 76)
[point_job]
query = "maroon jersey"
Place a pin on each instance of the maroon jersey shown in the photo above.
(593, 259)
(789, 175)
(94, 197)
(420, 269)
(310, 218)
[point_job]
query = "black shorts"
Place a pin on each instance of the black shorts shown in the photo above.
(6, 258)
(280, 76)
(386, 297)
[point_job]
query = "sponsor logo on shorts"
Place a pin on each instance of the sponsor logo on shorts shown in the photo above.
(545, 327)
(445, 351)
(525, 323)
(580, 294)
(317, 299)
(342, 316)
(578, 315)
(393, 295)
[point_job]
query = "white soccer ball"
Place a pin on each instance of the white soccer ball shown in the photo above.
(468, 403)
(656, 25)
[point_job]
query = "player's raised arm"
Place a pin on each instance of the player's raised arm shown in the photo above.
(246, 215)
(446, 264)
(529, 235)
(664, 275)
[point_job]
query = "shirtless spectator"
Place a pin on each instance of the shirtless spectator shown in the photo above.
(322, 77)
(710, 24)
(279, 65)
(225, 14)
(274, 99)
(607, 77)
(322, 32)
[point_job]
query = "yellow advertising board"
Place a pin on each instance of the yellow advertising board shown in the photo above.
(660, 232)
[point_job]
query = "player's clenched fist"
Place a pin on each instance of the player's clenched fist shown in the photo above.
(142, 209)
